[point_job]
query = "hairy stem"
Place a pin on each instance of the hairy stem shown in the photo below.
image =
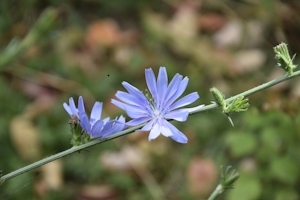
(251, 91)
(216, 192)
(130, 130)
(65, 153)
(46, 22)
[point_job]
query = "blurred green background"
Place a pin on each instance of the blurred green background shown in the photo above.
(94, 45)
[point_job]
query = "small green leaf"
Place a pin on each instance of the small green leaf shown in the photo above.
(285, 194)
(285, 169)
(271, 139)
(219, 98)
(247, 188)
(241, 144)
(228, 177)
(284, 59)
(240, 104)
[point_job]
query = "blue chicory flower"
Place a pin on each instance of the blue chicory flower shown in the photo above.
(94, 126)
(71, 108)
(163, 105)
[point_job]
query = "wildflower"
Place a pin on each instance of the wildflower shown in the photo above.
(94, 126)
(162, 106)
(71, 108)
(77, 133)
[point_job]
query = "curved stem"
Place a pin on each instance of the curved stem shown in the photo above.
(251, 91)
(46, 22)
(65, 153)
(216, 192)
(130, 130)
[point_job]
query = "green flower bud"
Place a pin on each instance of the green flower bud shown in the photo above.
(284, 59)
(238, 105)
(219, 98)
(228, 177)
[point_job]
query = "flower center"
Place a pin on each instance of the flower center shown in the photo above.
(92, 122)
(157, 115)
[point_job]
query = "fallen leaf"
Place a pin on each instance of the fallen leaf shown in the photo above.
(202, 176)
(97, 192)
(53, 174)
(25, 137)
(246, 61)
(229, 35)
(103, 32)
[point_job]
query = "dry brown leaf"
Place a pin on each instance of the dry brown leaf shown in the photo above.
(103, 32)
(41, 105)
(254, 34)
(211, 22)
(31, 89)
(97, 192)
(246, 61)
(248, 165)
(130, 157)
(202, 176)
(184, 24)
(276, 73)
(53, 174)
(156, 24)
(182, 29)
(114, 161)
(123, 55)
(229, 35)
(25, 137)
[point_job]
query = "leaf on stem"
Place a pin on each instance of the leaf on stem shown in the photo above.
(284, 59)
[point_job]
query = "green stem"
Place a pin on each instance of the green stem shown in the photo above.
(130, 130)
(251, 91)
(65, 153)
(216, 192)
(46, 22)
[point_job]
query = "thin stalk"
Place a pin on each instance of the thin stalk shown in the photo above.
(251, 91)
(216, 192)
(65, 153)
(130, 130)
(46, 22)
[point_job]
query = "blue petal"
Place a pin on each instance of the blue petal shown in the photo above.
(67, 108)
(121, 119)
(178, 115)
(112, 127)
(189, 110)
(186, 100)
(162, 84)
(96, 129)
(120, 124)
(84, 122)
(118, 104)
(131, 110)
(128, 98)
(138, 121)
(134, 91)
(81, 105)
(172, 90)
(151, 83)
(72, 106)
(182, 86)
(96, 111)
(178, 136)
(154, 133)
(164, 129)
(135, 112)
(148, 126)
(109, 128)
(106, 120)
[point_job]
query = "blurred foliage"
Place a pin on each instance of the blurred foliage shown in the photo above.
(98, 44)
